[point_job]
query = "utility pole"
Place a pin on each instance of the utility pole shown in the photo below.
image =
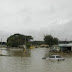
(1, 42)
(1, 46)
(25, 42)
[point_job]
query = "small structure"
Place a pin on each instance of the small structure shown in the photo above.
(55, 48)
(44, 45)
(65, 47)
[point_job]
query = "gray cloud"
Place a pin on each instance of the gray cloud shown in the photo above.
(35, 16)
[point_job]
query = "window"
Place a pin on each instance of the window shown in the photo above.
(58, 56)
(52, 57)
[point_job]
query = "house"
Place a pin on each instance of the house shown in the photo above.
(65, 47)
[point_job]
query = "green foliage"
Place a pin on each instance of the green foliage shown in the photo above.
(48, 39)
(17, 39)
(55, 40)
(28, 45)
(37, 42)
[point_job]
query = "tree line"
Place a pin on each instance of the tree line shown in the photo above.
(50, 40)
(18, 39)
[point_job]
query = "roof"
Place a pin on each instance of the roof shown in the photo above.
(65, 45)
(55, 55)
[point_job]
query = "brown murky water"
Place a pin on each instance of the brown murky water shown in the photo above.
(18, 61)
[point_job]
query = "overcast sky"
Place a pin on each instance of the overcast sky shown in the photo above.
(29, 15)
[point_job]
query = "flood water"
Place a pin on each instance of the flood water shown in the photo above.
(18, 61)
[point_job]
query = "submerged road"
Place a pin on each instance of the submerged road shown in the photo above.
(33, 62)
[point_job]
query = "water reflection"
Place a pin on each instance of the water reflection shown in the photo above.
(33, 62)
(15, 52)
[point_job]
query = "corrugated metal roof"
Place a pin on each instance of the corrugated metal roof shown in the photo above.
(70, 44)
(65, 45)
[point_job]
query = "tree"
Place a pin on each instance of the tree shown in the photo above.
(49, 40)
(18, 39)
(55, 40)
